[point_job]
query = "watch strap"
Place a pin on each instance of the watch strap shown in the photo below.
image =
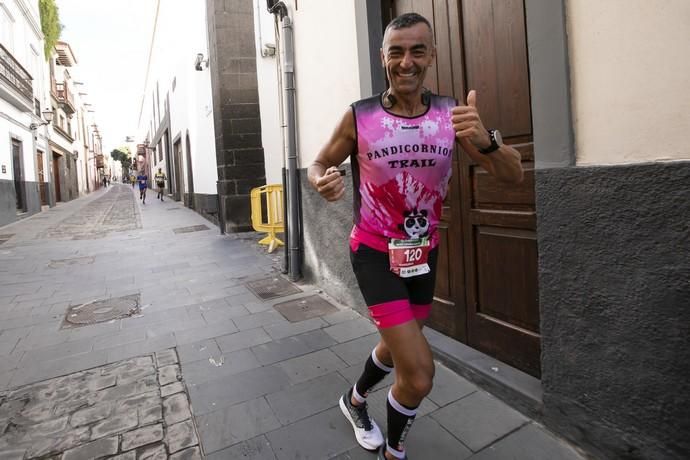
(494, 145)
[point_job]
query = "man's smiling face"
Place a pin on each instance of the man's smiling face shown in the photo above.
(406, 55)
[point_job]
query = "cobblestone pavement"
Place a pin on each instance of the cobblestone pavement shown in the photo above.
(206, 368)
(136, 408)
(114, 211)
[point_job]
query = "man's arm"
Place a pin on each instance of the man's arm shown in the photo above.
(505, 163)
(323, 173)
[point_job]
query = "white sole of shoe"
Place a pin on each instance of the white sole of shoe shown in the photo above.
(362, 442)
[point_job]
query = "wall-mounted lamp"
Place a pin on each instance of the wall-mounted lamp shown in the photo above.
(268, 50)
(199, 61)
(276, 6)
(47, 115)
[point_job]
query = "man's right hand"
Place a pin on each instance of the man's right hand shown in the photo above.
(331, 185)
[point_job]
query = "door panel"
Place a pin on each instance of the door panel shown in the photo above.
(18, 174)
(190, 175)
(177, 168)
(56, 177)
(496, 63)
(505, 289)
(42, 184)
(487, 275)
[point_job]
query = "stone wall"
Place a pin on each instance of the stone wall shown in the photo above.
(239, 152)
(327, 229)
(614, 265)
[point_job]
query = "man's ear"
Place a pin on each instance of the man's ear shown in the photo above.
(383, 59)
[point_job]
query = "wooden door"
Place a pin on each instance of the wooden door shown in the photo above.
(177, 168)
(190, 174)
(56, 177)
(18, 172)
(40, 171)
(491, 232)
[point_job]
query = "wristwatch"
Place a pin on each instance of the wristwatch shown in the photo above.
(496, 141)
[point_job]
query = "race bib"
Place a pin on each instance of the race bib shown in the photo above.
(409, 257)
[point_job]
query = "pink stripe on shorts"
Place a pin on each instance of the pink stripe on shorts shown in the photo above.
(397, 312)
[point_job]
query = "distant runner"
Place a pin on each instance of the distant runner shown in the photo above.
(160, 178)
(143, 181)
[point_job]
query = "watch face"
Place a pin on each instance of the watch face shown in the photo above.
(498, 137)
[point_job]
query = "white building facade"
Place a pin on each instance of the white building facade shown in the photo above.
(24, 163)
(176, 113)
(50, 149)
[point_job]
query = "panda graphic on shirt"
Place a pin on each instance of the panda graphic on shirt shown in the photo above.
(415, 223)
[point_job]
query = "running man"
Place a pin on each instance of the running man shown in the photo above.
(401, 145)
(143, 181)
(160, 178)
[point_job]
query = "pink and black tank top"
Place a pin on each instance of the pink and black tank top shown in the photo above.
(400, 171)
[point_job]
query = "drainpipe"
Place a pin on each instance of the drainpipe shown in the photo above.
(294, 223)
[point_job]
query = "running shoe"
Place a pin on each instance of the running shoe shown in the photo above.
(366, 430)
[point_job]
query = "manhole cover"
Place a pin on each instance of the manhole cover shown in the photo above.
(193, 228)
(174, 209)
(101, 311)
(305, 308)
(270, 288)
(74, 261)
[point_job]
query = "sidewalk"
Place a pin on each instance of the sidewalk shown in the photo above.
(196, 365)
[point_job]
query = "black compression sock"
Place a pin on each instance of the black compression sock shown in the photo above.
(374, 372)
(400, 420)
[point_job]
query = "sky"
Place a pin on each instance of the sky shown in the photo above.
(110, 39)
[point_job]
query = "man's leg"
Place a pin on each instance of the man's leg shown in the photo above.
(414, 373)
(408, 349)
(386, 296)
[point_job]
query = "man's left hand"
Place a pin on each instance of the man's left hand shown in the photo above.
(468, 125)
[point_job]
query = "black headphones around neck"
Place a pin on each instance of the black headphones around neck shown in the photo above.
(389, 100)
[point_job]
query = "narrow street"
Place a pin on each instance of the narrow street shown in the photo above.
(130, 331)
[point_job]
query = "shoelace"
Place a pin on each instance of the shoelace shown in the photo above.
(363, 416)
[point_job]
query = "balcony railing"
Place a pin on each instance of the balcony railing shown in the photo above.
(15, 75)
(64, 97)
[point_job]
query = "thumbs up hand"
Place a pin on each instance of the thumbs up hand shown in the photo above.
(468, 125)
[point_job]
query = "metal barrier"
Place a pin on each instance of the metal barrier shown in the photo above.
(267, 213)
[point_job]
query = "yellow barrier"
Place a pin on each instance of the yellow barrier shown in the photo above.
(272, 197)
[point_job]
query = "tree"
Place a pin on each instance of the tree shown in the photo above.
(50, 25)
(124, 156)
